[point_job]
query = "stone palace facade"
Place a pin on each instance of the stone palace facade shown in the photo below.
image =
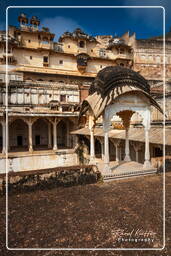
(48, 80)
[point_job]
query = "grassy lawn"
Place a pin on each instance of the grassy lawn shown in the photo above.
(89, 216)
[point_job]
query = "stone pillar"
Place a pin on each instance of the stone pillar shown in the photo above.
(3, 138)
(126, 117)
(127, 153)
(30, 137)
(102, 149)
(116, 143)
(92, 149)
(49, 136)
(137, 146)
(147, 163)
(54, 135)
(106, 153)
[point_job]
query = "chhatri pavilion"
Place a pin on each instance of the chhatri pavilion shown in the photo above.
(118, 92)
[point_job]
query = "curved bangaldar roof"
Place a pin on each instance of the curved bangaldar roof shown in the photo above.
(115, 76)
(110, 83)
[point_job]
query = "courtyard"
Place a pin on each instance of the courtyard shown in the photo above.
(90, 216)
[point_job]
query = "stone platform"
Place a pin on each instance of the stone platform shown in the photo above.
(124, 170)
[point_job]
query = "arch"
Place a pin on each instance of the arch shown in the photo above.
(40, 134)
(139, 104)
(98, 151)
(18, 135)
(62, 135)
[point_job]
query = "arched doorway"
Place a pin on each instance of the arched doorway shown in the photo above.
(40, 134)
(64, 138)
(62, 135)
(18, 136)
(98, 147)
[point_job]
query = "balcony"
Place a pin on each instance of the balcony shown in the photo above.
(124, 56)
(45, 45)
(82, 50)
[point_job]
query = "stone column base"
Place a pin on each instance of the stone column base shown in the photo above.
(31, 150)
(107, 169)
(147, 165)
(127, 159)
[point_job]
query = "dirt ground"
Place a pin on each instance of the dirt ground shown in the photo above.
(119, 214)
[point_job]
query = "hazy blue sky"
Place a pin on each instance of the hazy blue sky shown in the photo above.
(145, 22)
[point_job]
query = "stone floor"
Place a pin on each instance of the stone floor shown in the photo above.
(124, 169)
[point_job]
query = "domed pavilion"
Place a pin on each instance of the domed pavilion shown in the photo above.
(118, 91)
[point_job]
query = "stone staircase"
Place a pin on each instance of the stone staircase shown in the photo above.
(123, 170)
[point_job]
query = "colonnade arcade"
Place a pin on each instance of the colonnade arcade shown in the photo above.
(37, 133)
(117, 149)
(124, 106)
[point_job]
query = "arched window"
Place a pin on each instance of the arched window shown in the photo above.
(81, 44)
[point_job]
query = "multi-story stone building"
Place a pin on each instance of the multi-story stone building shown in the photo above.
(48, 80)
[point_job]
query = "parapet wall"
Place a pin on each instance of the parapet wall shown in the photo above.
(49, 178)
(37, 162)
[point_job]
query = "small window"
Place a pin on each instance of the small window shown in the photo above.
(121, 64)
(29, 41)
(102, 52)
(91, 50)
(68, 46)
(121, 51)
(45, 59)
(63, 98)
(81, 44)
(30, 57)
(101, 66)
(61, 62)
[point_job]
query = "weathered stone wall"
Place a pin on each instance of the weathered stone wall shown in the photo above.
(50, 178)
(39, 161)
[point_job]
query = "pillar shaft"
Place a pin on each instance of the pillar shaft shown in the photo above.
(106, 153)
(136, 155)
(49, 136)
(92, 150)
(54, 136)
(30, 137)
(127, 153)
(117, 152)
(147, 163)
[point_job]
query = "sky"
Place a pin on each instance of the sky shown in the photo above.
(145, 22)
